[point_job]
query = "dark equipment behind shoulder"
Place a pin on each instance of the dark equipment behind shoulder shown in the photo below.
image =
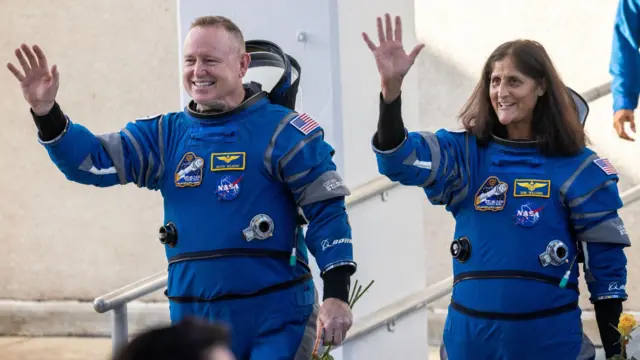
(265, 53)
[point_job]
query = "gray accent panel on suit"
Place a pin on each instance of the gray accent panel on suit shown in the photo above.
(305, 350)
(268, 153)
(296, 177)
(578, 216)
(286, 158)
(588, 350)
(434, 148)
(462, 194)
(160, 148)
(611, 231)
(327, 186)
(136, 146)
(112, 144)
(86, 164)
(567, 184)
(148, 175)
(581, 199)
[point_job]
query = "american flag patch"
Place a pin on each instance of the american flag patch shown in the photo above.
(304, 123)
(606, 166)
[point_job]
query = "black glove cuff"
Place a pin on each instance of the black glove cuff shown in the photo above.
(337, 282)
(390, 132)
(51, 125)
(608, 315)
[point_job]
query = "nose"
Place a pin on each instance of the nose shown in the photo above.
(199, 69)
(503, 91)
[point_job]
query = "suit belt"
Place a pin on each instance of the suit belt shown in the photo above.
(513, 274)
(203, 255)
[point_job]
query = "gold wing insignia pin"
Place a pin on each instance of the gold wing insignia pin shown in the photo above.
(228, 158)
(531, 186)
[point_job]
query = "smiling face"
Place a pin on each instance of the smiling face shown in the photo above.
(214, 65)
(513, 95)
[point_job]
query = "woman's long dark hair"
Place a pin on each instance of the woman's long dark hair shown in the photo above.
(555, 118)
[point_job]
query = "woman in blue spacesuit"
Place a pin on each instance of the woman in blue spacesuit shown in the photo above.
(530, 201)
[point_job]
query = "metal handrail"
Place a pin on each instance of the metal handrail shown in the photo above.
(117, 300)
(388, 315)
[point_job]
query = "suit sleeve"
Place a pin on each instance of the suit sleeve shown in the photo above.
(591, 195)
(625, 59)
(131, 155)
(437, 162)
(299, 157)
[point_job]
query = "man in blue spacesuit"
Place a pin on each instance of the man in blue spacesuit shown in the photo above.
(624, 66)
(529, 201)
(240, 176)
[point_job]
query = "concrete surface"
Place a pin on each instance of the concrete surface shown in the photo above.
(60, 348)
(25, 348)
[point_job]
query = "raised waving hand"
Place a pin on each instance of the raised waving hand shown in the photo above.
(391, 59)
(39, 83)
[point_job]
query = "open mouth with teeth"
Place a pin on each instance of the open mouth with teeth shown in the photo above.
(506, 105)
(203, 84)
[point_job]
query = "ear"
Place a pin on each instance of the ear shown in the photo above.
(542, 88)
(245, 59)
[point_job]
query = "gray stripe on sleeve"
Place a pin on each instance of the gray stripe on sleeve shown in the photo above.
(286, 158)
(611, 231)
(462, 194)
(291, 178)
(327, 186)
(148, 175)
(86, 164)
(139, 153)
(581, 199)
(434, 148)
(567, 184)
(160, 148)
(112, 144)
(580, 216)
(268, 154)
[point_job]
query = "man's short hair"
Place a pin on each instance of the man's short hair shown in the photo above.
(221, 21)
(186, 340)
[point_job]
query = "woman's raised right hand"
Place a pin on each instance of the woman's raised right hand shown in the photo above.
(392, 61)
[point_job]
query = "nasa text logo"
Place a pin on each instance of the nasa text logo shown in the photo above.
(228, 187)
(528, 214)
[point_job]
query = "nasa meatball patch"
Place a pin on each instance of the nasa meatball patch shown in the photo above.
(228, 187)
(492, 195)
(190, 170)
(528, 214)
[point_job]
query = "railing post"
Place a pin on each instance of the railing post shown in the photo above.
(119, 328)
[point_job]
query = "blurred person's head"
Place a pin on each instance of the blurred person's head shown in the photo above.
(520, 96)
(191, 339)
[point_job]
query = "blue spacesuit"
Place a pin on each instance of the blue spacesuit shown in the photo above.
(233, 185)
(523, 220)
(625, 59)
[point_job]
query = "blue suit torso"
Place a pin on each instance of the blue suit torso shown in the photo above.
(232, 187)
(510, 204)
(223, 176)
